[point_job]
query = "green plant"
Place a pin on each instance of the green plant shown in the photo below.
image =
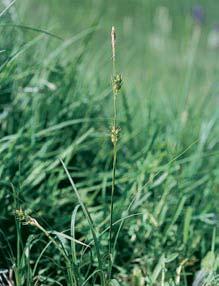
(55, 104)
(116, 87)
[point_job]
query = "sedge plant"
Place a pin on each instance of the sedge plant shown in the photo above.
(116, 87)
(72, 274)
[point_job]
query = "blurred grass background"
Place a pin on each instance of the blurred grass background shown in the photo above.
(56, 102)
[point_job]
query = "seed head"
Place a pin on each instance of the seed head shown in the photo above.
(115, 134)
(21, 215)
(113, 41)
(24, 218)
(117, 83)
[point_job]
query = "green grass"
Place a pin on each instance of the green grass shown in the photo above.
(56, 115)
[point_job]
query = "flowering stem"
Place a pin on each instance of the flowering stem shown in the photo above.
(116, 85)
(28, 220)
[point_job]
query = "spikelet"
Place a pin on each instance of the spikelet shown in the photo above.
(115, 134)
(25, 219)
(113, 42)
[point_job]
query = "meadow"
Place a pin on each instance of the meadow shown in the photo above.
(109, 141)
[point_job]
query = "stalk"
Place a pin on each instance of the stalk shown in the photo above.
(116, 86)
(18, 235)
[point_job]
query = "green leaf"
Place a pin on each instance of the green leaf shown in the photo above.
(208, 262)
(114, 282)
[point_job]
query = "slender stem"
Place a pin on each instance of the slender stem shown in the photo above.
(112, 196)
(18, 235)
(114, 141)
(114, 111)
(113, 171)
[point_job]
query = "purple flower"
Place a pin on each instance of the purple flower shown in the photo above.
(198, 14)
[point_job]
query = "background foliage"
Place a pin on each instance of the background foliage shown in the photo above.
(56, 102)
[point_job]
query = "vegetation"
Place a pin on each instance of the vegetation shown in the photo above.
(109, 145)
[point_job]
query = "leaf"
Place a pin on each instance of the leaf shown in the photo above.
(171, 257)
(187, 221)
(114, 282)
(208, 262)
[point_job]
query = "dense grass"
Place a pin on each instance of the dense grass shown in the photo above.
(56, 115)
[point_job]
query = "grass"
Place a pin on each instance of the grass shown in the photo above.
(151, 218)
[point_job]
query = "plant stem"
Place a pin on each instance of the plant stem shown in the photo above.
(114, 134)
(112, 196)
